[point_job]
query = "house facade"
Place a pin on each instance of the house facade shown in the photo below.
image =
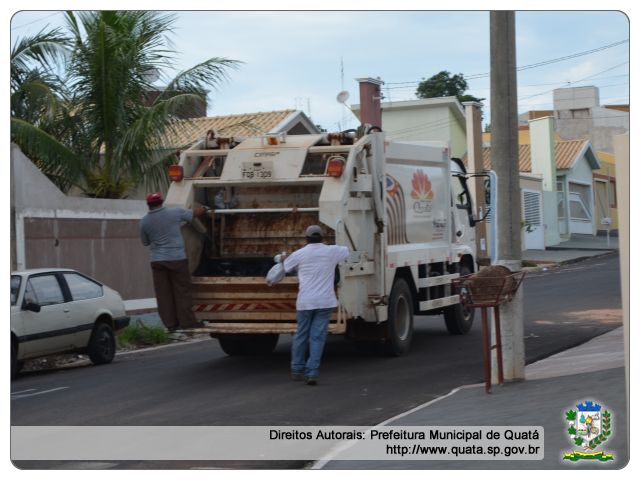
(605, 192)
(566, 171)
(434, 119)
(578, 114)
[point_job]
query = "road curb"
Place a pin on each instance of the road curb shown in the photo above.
(541, 264)
(581, 259)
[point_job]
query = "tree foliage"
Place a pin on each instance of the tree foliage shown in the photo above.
(80, 103)
(443, 84)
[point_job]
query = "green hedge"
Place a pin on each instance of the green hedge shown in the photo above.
(142, 335)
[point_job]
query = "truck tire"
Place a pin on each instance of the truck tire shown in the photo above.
(459, 318)
(248, 343)
(102, 345)
(400, 321)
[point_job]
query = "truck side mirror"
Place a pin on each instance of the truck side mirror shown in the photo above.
(487, 190)
(487, 195)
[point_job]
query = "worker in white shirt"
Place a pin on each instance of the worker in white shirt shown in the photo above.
(316, 264)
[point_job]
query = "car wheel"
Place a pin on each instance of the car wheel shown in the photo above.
(102, 345)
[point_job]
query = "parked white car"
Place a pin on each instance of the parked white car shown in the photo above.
(60, 310)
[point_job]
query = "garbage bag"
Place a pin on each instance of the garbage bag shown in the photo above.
(275, 274)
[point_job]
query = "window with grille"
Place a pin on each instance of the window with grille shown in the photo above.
(532, 207)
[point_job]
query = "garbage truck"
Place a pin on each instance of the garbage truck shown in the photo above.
(402, 208)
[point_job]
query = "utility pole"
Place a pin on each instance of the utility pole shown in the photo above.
(504, 148)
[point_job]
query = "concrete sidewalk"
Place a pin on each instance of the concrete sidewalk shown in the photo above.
(592, 371)
(579, 247)
(588, 242)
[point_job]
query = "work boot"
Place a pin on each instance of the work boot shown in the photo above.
(311, 380)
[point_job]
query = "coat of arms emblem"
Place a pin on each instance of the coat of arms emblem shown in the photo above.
(589, 428)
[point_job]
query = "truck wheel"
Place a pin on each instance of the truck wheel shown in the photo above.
(459, 318)
(248, 343)
(102, 345)
(400, 322)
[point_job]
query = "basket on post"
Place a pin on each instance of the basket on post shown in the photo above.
(491, 287)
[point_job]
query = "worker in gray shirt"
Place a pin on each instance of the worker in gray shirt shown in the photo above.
(160, 231)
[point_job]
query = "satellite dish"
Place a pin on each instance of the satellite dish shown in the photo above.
(343, 96)
(151, 75)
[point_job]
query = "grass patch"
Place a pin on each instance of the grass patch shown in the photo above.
(141, 335)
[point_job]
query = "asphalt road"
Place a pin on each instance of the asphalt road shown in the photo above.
(196, 384)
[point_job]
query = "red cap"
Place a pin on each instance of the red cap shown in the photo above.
(154, 199)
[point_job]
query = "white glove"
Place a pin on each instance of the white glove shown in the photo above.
(280, 257)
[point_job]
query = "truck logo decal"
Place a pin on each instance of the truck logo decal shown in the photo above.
(397, 233)
(265, 154)
(422, 192)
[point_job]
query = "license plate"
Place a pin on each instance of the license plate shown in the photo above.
(257, 170)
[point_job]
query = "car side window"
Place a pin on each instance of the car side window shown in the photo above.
(43, 290)
(15, 288)
(81, 287)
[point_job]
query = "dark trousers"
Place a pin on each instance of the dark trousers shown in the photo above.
(172, 284)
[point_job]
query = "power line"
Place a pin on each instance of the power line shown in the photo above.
(577, 81)
(538, 64)
(575, 55)
(528, 84)
(558, 83)
(35, 21)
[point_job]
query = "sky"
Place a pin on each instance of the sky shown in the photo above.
(303, 59)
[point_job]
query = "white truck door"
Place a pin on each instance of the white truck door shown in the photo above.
(461, 229)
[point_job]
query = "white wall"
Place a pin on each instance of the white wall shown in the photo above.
(417, 124)
(575, 98)
(543, 162)
(33, 192)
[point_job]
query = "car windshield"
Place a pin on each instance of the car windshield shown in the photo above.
(15, 288)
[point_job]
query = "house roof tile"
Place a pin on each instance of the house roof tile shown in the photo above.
(566, 153)
(187, 132)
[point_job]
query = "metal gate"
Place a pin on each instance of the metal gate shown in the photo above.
(533, 223)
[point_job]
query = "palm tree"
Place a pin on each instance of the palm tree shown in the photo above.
(114, 137)
(37, 95)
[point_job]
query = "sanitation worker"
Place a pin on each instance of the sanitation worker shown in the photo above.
(316, 263)
(160, 231)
